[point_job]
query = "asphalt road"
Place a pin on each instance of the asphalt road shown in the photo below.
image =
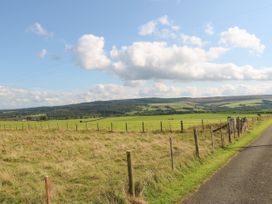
(246, 179)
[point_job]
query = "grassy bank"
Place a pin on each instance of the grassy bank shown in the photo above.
(188, 178)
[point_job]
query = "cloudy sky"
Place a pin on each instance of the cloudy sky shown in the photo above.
(62, 52)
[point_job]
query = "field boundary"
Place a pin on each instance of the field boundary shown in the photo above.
(145, 175)
(187, 180)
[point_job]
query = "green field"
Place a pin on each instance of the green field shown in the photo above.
(252, 103)
(90, 166)
(134, 123)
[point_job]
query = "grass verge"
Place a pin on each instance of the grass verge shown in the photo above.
(187, 179)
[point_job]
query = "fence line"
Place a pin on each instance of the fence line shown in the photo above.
(231, 127)
(161, 126)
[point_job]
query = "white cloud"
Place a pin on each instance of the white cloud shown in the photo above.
(236, 37)
(192, 40)
(228, 90)
(38, 29)
(11, 97)
(160, 89)
(134, 83)
(90, 54)
(164, 20)
(216, 52)
(157, 60)
(20, 98)
(42, 53)
(209, 30)
(160, 27)
(110, 92)
(148, 28)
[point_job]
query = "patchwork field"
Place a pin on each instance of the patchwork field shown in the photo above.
(88, 166)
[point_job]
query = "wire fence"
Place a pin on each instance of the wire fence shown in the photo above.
(110, 126)
(127, 165)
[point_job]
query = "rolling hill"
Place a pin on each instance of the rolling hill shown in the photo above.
(147, 106)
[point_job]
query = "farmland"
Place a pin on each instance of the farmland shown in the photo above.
(89, 165)
(134, 123)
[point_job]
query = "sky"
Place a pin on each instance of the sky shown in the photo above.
(64, 52)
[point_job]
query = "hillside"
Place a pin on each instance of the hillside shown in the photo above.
(147, 106)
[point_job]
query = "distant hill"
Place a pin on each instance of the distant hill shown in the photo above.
(147, 106)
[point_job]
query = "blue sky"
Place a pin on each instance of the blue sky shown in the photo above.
(61, 52)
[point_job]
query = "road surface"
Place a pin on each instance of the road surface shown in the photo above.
(246, 179)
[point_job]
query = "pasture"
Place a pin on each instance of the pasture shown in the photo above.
(87, 166)
(118, 124)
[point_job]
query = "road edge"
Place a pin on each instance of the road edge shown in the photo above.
(188, 180)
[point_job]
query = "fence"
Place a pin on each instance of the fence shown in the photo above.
(135, 126)
(209, 136)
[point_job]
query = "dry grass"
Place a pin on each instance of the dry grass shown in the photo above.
(87, 166)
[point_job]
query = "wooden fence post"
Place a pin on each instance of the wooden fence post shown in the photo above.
(47, 190)
(229, 133)
(241, 125)
(222, 139)
(143, 127)
(131, 188)
(76, 128)
(212, 138)
(161, 127)
(97, 126)
(244, 125)
(181, 126)
(238, 126)
(126, 127)
(233, 121)
(111, 127)
(202, 123)
(196, 143)
(171, 152)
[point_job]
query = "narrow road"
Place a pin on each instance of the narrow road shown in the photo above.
(246, 179)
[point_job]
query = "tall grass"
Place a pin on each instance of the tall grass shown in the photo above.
(90, 166)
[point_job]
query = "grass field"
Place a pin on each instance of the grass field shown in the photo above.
(256, 102)
(90, 166)
(134, 123)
